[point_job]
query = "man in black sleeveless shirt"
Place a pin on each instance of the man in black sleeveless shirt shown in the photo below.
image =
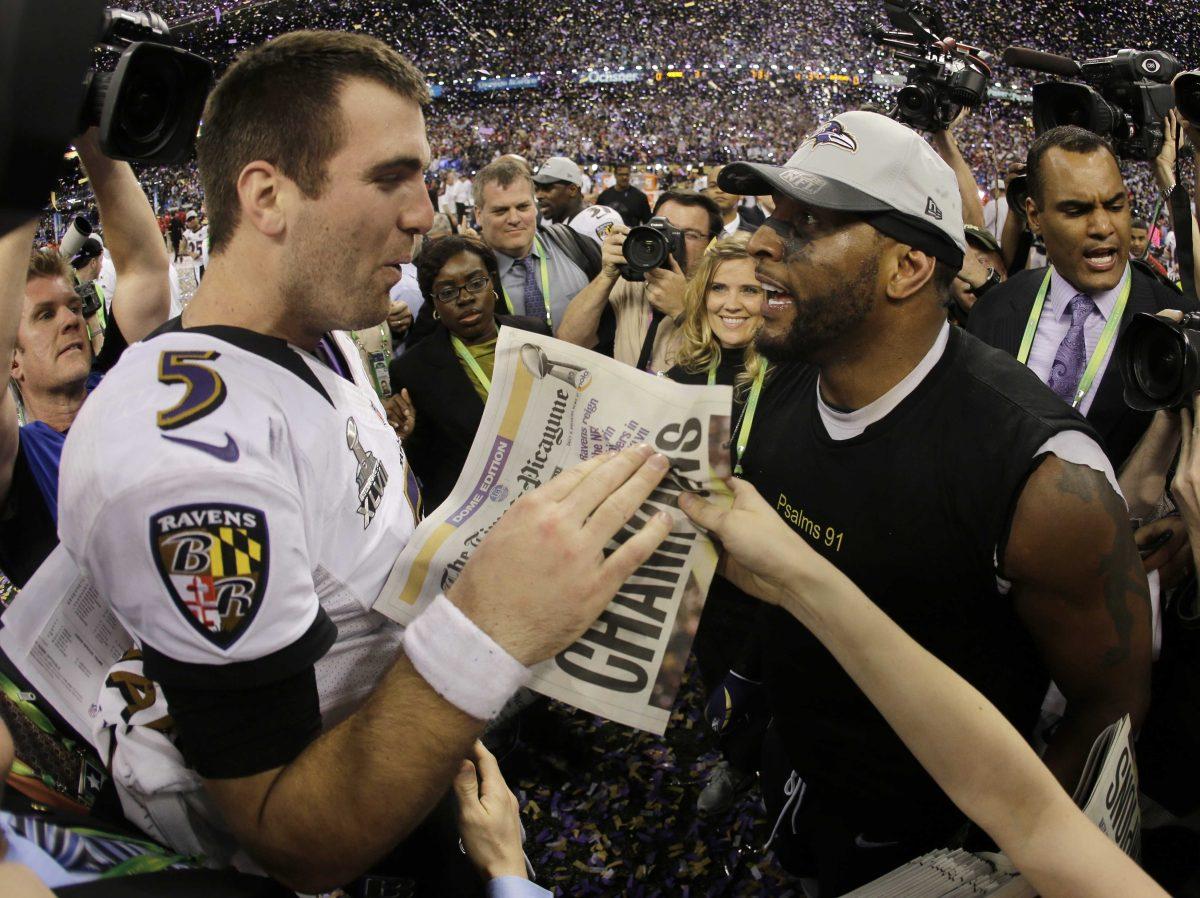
(951, 485)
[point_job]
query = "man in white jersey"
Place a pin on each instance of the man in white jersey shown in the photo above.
(246, 546)
(195, 237)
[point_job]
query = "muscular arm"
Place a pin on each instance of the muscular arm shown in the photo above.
(355, 792)
(14, 261)
(143, 296)
(1080, 590)
(947, 147)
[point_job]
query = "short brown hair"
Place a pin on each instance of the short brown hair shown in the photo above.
(279, 103)
(47, 263)
(504, 171)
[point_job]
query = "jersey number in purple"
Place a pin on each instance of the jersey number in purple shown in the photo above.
(205, 389)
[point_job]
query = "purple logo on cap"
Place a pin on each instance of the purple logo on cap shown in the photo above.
(834, 135)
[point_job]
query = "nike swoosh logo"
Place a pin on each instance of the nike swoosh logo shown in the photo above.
(860, 842)
(229, 452)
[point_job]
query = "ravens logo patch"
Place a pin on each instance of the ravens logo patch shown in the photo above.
(214, 560)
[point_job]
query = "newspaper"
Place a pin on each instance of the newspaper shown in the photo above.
(63, 637)
(1107, 793)
(553, 405)
(1108, 788)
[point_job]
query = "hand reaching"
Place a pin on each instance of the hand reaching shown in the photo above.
(489, 817)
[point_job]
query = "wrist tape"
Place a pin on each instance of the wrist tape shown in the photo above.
(460, 662)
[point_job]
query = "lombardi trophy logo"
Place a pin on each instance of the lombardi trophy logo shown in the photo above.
(539, 364)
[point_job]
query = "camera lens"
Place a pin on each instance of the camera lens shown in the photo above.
(1158, 364)
(147, 103)
(913, 99)
(645, 248)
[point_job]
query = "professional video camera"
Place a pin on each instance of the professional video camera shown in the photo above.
(147, 108)
(940, 81)
(1160, 361)
(1124, 100)
(651, 246)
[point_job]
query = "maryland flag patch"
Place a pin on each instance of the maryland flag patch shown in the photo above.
(214, 560)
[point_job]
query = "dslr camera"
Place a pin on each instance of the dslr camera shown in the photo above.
(651, 246)
(1160, 361)
(1123, 97)
(147, 105)
(939, 83)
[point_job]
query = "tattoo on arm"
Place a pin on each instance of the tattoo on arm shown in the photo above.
(1076, 480)
(1120, 570)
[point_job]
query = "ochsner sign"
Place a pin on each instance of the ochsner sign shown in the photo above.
(593, 77)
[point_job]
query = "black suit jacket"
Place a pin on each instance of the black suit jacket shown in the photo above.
(447, 406)
(999, 318)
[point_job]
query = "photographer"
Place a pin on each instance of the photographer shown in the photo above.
(44, 333)
(648, 311)
(1062, 321)
(1164, 178)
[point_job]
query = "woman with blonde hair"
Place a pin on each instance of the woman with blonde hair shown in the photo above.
(722, 312)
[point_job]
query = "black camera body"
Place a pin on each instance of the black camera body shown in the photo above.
(90, 296)
(147, 108)
(939, 83)
(651, 246)
(1160, 361)
(1124, 98)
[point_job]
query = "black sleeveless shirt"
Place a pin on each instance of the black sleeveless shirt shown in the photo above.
(914, 510)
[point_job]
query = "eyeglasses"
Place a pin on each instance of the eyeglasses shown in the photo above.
(474, 286)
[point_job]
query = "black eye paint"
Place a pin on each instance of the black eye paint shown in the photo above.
(793, 247)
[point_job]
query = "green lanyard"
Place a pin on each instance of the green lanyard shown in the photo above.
(1106, 336)
(377, 363)
(537, 245)
(469, 360)
(746, 419)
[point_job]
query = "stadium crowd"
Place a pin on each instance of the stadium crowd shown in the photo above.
(1005, 559)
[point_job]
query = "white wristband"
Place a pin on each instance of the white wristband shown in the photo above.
(463, 664)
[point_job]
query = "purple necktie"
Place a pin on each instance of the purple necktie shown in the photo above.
(1071, 357)
(535, 303)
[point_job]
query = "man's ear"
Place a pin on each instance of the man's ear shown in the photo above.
(264, 197)
(912, 270)
(17, 374)
(1033, 215)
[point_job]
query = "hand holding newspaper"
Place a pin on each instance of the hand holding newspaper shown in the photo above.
(553, 405)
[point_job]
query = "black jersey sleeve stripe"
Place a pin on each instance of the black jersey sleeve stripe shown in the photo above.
(239, 676)
(226, 733)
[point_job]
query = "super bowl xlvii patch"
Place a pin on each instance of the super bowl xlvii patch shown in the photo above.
(370, 476)
(214, 559)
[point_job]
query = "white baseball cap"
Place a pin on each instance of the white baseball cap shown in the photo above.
(559, 168)
(596, 222)
(868, 163)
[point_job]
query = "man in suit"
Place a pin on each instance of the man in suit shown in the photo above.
(734, 218)
(1079, 204)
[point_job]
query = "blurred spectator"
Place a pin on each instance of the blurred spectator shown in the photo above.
(631, 204)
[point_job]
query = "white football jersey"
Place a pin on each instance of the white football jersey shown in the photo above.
(233, 497)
